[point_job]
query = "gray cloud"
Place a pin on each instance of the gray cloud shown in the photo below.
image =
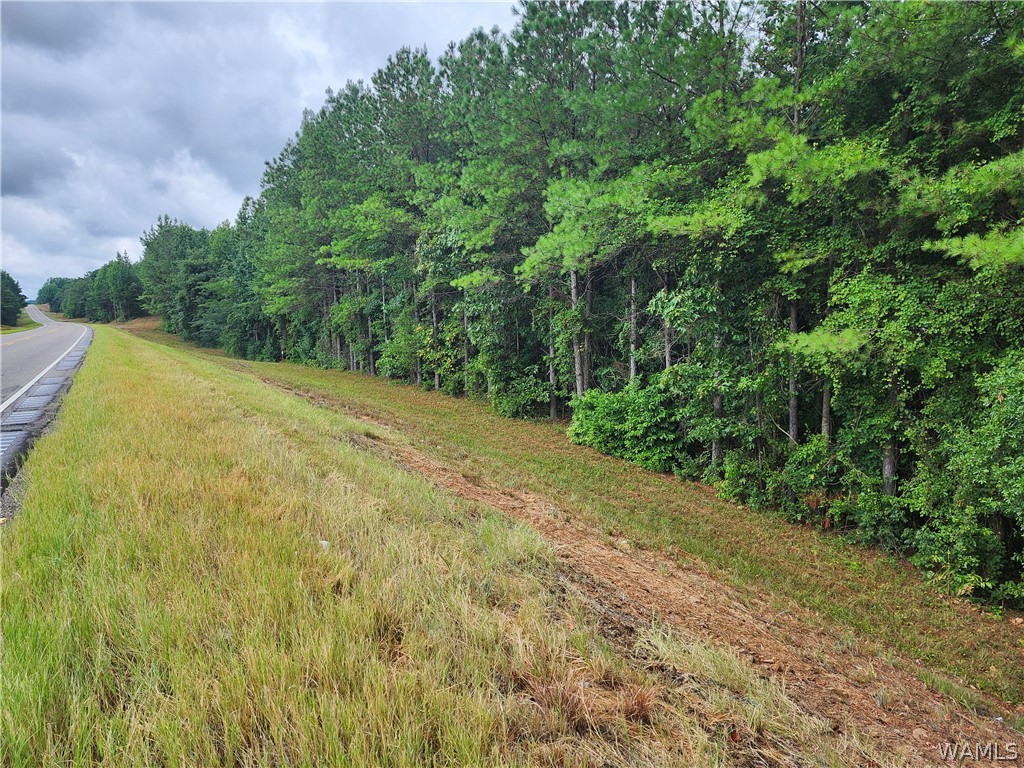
(31, 168)
(115, 113)
(64, 29)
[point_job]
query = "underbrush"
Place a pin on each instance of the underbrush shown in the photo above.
(957, 517)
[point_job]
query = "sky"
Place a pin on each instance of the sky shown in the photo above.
(116, 113)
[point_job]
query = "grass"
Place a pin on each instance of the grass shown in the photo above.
(758, 705)
(207, 571)
(25, 323)
(882, 601)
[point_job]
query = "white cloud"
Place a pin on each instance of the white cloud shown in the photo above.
(205, 196)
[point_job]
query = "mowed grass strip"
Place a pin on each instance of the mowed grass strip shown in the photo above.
(206, 571)
(883, 600)
(25, 323)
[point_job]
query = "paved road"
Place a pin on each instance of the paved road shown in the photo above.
(26, 354)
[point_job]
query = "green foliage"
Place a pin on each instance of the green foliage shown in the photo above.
(641, 424)
(12, 300)
(108, 294)
(519, 397)
(399, 353)
(993, 249)
(53, 291)
(967, 542)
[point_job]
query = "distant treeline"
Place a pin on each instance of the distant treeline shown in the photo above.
(777, 246)
(112, 292)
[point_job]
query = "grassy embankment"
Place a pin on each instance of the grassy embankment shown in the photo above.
(882, 601)
(206, 570)
(25, 323)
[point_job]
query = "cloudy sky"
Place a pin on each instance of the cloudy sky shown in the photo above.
(115, 113)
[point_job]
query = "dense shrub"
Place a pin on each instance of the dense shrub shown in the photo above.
(641, 424)
(973, 541)
(520, 397)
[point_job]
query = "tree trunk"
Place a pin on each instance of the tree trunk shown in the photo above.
(889, 467)
(465, 352)
(667, 336)
(889, 450)
(716, 443)
(826, 411)
(384, 308)
(588, 340)
(667, 330)
(826, 395)
(998, 523)
(369, 336)
(552, 381)
(717, 404)
(798, 65)
(794, 400)
(632, 328)
(418, 374)
(759, 441)
(435, 344)
(577, 346)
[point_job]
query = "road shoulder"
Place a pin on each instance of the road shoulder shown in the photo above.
(26, 418)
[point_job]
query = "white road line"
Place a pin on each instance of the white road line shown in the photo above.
(25, 389)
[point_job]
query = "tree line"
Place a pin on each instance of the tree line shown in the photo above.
(108, 294)
(777, 247)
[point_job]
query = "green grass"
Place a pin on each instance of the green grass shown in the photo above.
(25, 323)
(207, 571)
(881, 599)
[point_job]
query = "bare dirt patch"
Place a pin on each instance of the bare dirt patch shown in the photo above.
(857, 692)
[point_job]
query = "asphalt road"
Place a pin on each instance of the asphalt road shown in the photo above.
(26, 354)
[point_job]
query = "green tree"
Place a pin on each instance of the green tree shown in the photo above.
(12, 300)
(52, 292)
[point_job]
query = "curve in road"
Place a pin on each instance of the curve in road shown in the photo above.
(27, 356)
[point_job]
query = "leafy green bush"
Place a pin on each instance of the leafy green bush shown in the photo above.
(521, 397)
(641, 424)
(398, 354)
(880, 520)
(809, 480)
(972, 539)
(956, 549)
(742, 480)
